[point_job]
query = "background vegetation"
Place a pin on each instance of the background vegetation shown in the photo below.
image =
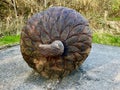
(103, 15)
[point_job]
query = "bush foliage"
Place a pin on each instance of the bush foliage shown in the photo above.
(13, 13)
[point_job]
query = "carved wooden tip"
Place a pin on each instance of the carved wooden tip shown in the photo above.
(56, 48)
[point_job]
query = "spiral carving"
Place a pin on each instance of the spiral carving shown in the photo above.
(56, 24)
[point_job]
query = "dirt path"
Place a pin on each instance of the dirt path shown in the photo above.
(101, 71)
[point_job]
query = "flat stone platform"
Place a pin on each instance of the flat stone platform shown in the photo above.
(101, 71)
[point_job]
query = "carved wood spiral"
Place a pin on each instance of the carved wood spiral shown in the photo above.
(56, 24)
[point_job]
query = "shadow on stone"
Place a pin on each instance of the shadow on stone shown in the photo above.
(47, 84)
(35, 78)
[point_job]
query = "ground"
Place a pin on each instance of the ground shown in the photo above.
(100, 71)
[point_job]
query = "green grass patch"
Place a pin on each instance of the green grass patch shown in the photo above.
(101, 38)
(114, 19)
(105, 38)
(8, 40)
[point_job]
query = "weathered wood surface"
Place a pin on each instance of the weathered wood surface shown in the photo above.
(42, 29)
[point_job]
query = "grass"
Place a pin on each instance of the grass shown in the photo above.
(11, 22)
(105, 38)
(8, 40)
(114, 19)
(101, 38)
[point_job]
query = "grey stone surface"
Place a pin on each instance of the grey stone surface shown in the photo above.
(101, 71)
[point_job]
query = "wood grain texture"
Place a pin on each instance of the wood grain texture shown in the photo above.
(56, 23)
